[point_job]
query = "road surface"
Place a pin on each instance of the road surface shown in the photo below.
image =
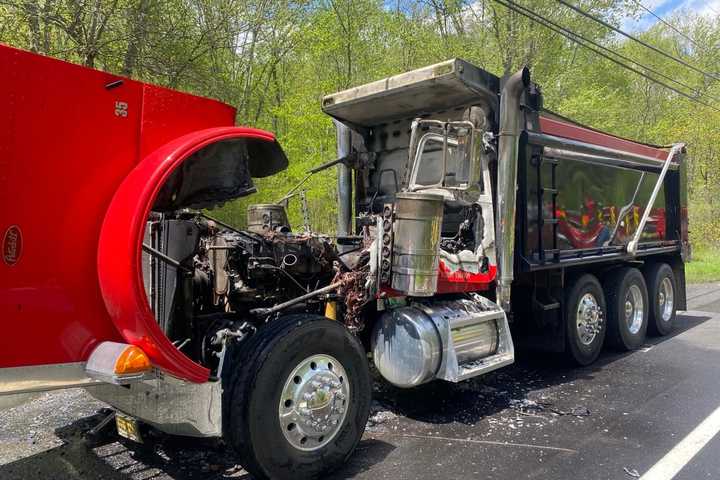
(534, 420)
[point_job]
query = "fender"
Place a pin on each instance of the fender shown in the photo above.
(119, 252)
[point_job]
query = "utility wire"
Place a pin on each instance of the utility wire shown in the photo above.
(670, 25)
(712, 9)
(635, 39)
(575, 38)
(612, 52)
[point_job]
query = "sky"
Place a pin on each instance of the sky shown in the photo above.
(666, 8)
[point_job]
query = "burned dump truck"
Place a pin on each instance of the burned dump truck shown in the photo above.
(470, 220)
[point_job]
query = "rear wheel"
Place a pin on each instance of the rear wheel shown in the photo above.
(661, 292)
(299, 399)
(584, 320)
(627, 300)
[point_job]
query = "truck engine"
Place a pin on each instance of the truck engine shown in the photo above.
(206, 280)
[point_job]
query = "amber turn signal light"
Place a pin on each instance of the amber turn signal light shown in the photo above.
(132, 360)
(118, 363)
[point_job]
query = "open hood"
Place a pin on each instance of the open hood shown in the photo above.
(197, 170)
(220, 172)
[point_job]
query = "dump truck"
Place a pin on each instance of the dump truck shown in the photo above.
(471, 220)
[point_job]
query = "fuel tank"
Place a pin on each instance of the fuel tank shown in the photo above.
(84, 155)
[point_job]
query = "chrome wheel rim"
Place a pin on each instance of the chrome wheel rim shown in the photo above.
(634, 309)
(313, 403)
(666, 299)
(588, 319)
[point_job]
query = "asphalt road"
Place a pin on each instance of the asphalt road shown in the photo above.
(534, 420)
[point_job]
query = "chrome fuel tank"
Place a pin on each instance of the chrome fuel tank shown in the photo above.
(449, 340)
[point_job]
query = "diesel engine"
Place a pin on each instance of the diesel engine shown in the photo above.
(205, 279)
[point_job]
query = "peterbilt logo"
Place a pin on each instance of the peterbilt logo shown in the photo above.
(12, 245)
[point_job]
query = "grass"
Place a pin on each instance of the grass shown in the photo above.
(705, 265)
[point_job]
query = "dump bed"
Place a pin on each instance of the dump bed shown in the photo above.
(582, 194)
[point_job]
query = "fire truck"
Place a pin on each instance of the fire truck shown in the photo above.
(471, 220)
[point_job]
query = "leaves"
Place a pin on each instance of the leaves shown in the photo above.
(274, 60)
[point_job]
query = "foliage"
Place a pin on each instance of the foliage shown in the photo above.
(704, 267)
(275, 59)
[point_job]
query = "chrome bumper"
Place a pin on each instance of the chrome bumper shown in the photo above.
(169, 404)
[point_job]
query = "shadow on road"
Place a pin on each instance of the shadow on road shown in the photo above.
(166, 457)
(472, 400)
(110, 457)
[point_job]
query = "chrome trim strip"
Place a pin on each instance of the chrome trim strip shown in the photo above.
(566, 149)
(38, 378)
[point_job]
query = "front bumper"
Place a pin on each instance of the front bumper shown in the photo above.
(169, 404)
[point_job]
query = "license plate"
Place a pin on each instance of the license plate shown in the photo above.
(128, 427)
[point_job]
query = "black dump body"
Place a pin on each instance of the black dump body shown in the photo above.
(580, 203)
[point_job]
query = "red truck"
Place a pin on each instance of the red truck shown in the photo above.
(470, 219)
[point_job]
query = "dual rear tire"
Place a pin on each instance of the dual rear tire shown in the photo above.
(620, 311)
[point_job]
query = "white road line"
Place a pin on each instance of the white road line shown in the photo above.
(678, 457)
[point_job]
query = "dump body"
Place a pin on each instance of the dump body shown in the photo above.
(582, 193)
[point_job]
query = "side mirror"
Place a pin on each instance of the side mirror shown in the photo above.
(444, 155)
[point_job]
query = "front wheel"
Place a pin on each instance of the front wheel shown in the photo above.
(299, 399)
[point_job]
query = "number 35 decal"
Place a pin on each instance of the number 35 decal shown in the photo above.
(121, 109)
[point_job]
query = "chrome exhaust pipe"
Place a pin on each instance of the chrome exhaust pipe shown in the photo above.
(344, 180)
(511, 125)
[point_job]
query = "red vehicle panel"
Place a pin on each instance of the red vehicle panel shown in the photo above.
(69, 137)
(119, 257)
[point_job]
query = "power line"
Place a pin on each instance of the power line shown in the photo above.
(612, 52)
(712, 9)
(576, 39)
(670, 25)
(635, 39)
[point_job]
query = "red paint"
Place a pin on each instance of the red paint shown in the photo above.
(457, 281)
(559, 128)
(67, 144)
(12, 245)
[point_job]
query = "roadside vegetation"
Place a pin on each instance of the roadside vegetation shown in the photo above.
(705, 265)
(274, 60)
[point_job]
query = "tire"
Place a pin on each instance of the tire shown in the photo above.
(627, 308)
(296, 356)
(584, 320)
(662, 296)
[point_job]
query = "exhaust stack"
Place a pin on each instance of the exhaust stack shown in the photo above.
(511, 125)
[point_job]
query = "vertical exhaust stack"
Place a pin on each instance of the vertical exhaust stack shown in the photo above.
(511, 125)
(344, 181)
